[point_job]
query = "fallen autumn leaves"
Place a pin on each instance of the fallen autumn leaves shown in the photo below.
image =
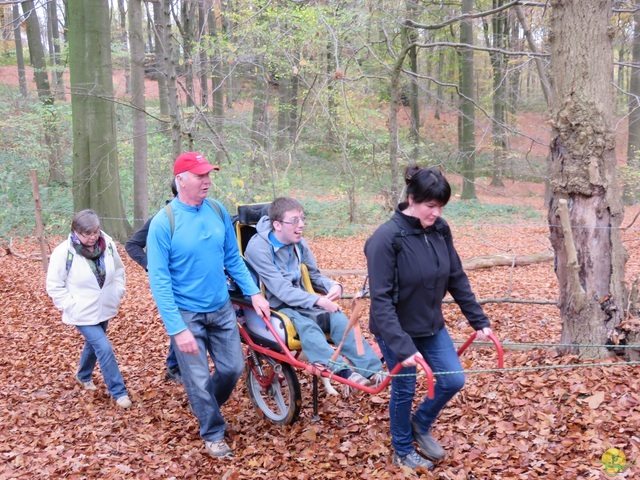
(527, 423)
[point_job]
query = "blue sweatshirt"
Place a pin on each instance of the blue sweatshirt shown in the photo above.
(186, 270)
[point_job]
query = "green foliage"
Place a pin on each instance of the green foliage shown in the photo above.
(475, 211)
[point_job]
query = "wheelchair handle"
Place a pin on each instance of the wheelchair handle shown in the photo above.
(491, 337)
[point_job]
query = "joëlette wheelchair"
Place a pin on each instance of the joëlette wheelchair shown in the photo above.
(273, 349)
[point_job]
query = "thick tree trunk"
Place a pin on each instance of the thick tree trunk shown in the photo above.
(138, 101)
(585, 210)
(96, 180)
(467, 135)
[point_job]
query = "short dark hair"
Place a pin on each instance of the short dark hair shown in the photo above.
(427, 184)
(282, 205)
(85, 221)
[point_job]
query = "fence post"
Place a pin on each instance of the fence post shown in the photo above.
(33, 175)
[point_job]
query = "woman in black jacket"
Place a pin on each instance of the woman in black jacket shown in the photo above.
(412, 264)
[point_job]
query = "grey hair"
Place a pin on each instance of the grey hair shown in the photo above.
(182, 175)
(85, 221)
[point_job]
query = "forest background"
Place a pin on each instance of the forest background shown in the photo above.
(328, 102)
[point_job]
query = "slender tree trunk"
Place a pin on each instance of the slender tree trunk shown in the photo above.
(228, 31)
(124, 38)
(632, 188)
(203, 63)
(171, 79)
(96, 178)
(159, 58)
(22, 75)
(259, 120)
(138, 101)
(499, 29)
(188, 42)
(414, 103)
(439, 88)
(50, 120)
(217, 82)
(467, 139)
(585, 211)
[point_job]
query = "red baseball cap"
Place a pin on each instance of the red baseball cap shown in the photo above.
(193, 162)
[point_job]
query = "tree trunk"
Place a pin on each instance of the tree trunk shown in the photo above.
(22, 74)
(96, 180)
(467, 135)
(217, 83)
(260, 112)
(124, 39)
(585, 210)
(171, 78)
(138, 101)
(54, 49)
(499, 66)
(203, 61)
(187, 32)
(414, 133)
(50, 120)
(158, 58)
(632, 188)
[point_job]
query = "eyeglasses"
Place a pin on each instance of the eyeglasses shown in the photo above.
(295, 220)
(89, 234)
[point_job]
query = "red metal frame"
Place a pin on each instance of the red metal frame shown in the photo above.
(288, 357)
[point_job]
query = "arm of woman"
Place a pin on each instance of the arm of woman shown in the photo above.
(56, 283)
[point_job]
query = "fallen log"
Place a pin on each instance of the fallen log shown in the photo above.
(473, 263)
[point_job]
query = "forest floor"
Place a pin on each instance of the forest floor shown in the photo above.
(546, 415)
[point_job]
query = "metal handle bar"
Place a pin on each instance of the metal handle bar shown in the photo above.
(495, 341)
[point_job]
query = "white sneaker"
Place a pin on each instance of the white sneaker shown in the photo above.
(355, 377)
(218, 449)
(377, 378)
(87, 385)
(124, 402)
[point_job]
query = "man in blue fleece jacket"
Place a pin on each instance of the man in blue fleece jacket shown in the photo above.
(189, 285)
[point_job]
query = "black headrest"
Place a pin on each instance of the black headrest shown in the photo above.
(250, 214)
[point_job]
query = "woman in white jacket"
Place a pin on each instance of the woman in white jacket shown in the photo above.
(86, 281)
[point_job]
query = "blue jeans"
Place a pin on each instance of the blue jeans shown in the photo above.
(97, 347)
(440, 353)
(315, 346)
(216, 333)
(172, 360)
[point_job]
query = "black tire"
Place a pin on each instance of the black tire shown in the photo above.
(280, 401)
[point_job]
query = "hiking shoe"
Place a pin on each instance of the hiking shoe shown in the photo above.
(355, 377)
(87, 385)
(173, 374)
(428, 445)
(124, 402)
(218, 449)
(377, 378)
(412, 461)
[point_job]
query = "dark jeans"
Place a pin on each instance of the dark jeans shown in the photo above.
(440, 353)
(172, 361)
